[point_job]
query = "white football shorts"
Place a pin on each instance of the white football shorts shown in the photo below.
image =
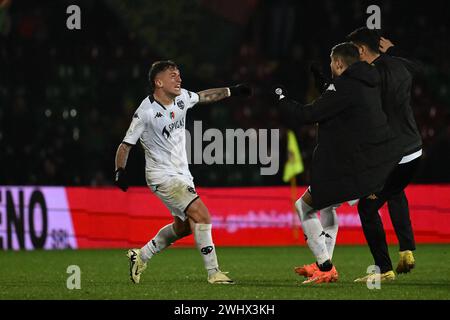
(177, 193)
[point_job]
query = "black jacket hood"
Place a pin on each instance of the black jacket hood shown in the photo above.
(363, 72)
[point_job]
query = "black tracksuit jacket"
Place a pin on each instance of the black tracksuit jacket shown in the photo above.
(356, 148)
(396, 80)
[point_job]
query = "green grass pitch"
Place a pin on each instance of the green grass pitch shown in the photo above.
(177, 273)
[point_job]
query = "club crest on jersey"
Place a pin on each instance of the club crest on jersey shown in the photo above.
(172, 115)
(180, 104)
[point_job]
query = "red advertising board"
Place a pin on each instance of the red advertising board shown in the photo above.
(36, 217)
(260, 216)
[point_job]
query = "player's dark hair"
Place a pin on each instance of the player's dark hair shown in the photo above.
(157, 67)
(347, 51)
(366, 36)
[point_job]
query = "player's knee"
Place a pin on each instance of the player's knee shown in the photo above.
(307, 198)
(182, 229)
(202, 216)
(199, 213)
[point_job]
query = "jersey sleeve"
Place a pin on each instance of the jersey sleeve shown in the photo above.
(192, 98)
(136, 128)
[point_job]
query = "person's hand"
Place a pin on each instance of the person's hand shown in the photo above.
(120, 179)
(385, 44)
(241, 89)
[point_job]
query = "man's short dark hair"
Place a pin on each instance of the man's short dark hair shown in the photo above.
(366, 36)
(347, 51)
(157, 67)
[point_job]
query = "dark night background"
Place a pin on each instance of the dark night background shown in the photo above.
(67, 96)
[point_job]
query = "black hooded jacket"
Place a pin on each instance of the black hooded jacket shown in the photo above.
(354, 154)
(396, 81)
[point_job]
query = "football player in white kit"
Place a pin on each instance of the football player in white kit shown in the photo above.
(159, 125)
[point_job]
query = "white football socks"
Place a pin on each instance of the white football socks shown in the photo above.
(312, 228)
(164, 238)
(330, 224)
(203, 240)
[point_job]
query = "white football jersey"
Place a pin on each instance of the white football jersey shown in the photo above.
(161, 131)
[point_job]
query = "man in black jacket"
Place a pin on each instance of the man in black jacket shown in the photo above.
(353, 156)
(396, 80)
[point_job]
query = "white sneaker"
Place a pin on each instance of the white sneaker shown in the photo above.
(219, 278)
(137, 266)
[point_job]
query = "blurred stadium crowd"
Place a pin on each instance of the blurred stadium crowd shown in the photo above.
(67, 97)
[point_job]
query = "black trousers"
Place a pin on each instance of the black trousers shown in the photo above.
(392, 193)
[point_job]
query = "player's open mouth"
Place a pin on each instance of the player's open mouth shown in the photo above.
(178, 87)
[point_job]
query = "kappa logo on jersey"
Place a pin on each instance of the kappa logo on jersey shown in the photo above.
(136, 115)
(172, 115)
(158, 115)
(331, 87)
(180, 104)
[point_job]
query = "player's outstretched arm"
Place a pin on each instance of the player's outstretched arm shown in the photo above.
(213, 95)
(217, 94)
(121, 161)
(327, 106)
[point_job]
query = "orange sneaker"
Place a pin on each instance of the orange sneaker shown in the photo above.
(307, 270)
(323, 276)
